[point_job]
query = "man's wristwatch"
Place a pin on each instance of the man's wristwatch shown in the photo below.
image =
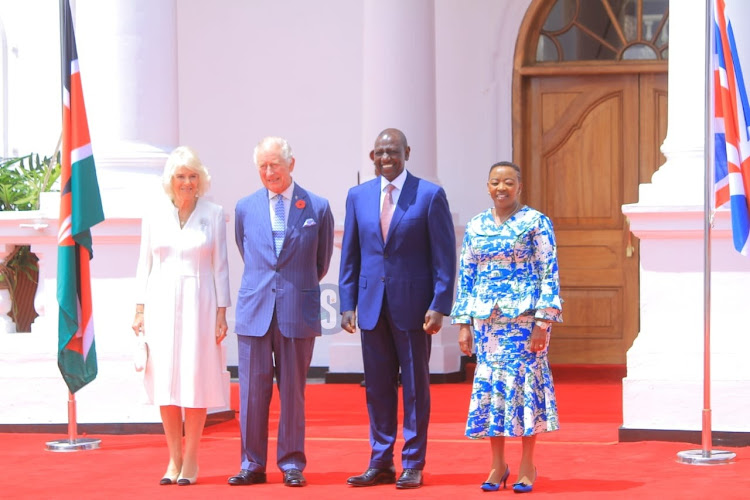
(544, 325)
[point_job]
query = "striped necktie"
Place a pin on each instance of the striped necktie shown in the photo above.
(279, 225)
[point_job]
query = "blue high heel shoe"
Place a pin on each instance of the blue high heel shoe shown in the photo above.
(487, 486)
(521, 487)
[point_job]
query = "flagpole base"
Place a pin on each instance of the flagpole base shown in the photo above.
(79, 444)
(698, 457)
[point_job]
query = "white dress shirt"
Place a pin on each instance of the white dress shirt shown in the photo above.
(286, 195)
(398, 184)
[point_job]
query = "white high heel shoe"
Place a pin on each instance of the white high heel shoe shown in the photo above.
(187, 481)
(167, 479)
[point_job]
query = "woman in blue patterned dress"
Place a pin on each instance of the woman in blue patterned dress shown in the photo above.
(509, 292)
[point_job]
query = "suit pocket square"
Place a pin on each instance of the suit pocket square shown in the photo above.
(309, 222)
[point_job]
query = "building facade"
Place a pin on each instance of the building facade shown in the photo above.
(601, 103)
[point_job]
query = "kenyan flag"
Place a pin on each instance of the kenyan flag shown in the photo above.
(80, 209)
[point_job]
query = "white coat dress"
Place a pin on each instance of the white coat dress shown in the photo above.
(182, 278)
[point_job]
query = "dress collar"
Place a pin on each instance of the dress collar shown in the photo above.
(398, 182)
(286, 194)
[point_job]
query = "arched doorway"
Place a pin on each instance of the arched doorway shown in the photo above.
(589, 116)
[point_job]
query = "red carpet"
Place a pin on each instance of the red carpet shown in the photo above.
(582, 460)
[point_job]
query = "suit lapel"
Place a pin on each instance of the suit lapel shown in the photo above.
(372, 199)
(261, 206)
(408, 193)
(299, 202)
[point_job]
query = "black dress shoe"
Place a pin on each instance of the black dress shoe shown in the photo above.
(373, 476)
(410, 478)
(294, 477)
(245, 477)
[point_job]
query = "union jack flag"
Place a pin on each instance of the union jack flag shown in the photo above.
(731, 133)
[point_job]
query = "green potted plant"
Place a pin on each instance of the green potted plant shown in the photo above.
(22, 180)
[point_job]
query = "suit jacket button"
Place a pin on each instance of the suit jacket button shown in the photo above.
(273, 290)
(382, 278)
(386, 256)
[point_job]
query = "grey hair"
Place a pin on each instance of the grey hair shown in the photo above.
(185, 156)
(268, 142)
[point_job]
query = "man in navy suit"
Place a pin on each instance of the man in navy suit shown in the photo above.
(285, 236)
(398, 269)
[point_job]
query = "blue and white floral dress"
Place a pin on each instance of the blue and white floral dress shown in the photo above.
(508, 277)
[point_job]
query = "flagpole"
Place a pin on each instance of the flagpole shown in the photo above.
(73, 443)
(72, 418)
(705, 456)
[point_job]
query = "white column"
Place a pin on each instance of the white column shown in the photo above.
(680, 180)
(128, 58)
(664, 388)
(399, 80)
(3, 92)
(399, 92)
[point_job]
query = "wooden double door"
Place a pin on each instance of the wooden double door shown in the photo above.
(589, 142)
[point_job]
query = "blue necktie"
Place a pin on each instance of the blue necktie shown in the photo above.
(279, 225)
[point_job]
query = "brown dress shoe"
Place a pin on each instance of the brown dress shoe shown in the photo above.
(373, 476)
(410, 478)
(245, 477)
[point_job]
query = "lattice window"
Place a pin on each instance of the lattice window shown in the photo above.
(605, 30)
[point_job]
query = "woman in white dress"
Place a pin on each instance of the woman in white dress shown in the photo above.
(182, 287)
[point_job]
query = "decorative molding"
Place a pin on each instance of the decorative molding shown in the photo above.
(675, 222)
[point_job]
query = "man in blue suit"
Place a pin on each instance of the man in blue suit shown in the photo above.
(285, 236)
(398, 269)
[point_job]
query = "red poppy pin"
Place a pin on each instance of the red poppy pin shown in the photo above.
(300, 204)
